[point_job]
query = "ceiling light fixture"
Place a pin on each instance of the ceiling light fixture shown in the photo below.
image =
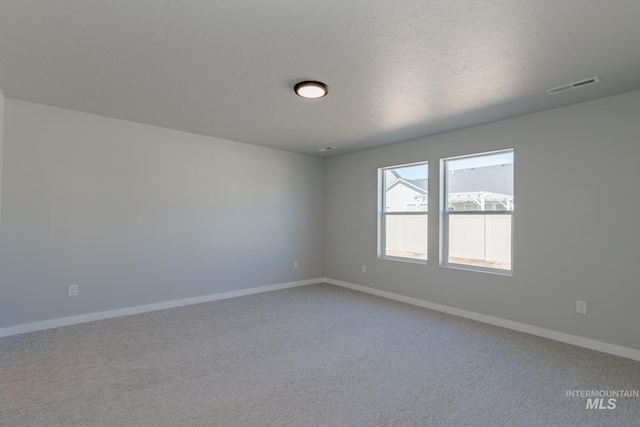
(311, 89)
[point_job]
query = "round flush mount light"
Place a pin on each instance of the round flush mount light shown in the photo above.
(311, 89)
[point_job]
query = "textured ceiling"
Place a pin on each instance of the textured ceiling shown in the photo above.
(396, 69)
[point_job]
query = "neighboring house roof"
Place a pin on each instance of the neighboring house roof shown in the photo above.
(392, 176)
(421, 183)
(488, 183)
(415, 185)
(490, 179)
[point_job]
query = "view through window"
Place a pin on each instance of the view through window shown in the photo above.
(404, 207)
(479, 202)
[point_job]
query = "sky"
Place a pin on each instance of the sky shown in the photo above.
(414, 172)
(478, 161)
(421, 171)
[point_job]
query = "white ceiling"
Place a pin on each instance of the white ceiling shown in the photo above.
(397, 69)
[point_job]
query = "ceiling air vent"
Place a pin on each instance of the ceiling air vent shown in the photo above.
(586, 82)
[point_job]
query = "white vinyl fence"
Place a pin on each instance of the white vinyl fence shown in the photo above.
(482, 239)
(406, 236)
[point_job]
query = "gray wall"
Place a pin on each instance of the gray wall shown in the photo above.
(576, 226)
(136, 214)
(1, 150)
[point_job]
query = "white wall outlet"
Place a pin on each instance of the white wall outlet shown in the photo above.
(72, 290)
(295, 265)
(364, 268)
(581, 307)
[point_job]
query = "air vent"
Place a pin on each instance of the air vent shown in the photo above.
(326, 148)
(575, 85)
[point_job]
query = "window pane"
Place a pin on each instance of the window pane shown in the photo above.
(480, 240)
(404, 211)
(476, 188)
(406, 188)
(406, 236)
(480, 183)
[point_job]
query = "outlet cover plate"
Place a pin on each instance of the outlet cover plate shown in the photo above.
(72, 290)
(581, 307)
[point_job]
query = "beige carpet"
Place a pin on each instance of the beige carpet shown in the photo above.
(311, 356)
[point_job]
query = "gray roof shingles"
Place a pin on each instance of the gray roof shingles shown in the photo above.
(493, 179)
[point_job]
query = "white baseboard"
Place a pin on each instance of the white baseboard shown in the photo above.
(90, 317)
(617, 350)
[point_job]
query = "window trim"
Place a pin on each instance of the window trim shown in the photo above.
(446, 214)
(382, 214)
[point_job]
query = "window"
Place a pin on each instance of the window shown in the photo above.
(403, 212)
(478, 208)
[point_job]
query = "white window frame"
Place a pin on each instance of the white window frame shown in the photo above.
(445, 216)
(382, 214)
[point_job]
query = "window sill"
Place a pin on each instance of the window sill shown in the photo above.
(507, 273)
(407, 260)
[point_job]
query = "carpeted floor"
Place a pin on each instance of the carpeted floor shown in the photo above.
(311, 356)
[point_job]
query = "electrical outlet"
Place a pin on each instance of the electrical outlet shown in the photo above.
(72, 290)
(295, 265)
(364, 268)
(581, 307)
